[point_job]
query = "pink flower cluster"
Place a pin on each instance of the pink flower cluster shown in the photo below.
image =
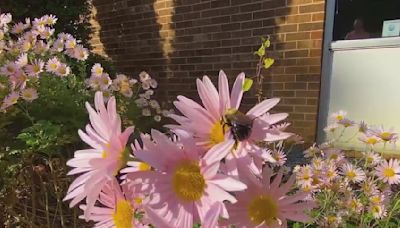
(128, 87)
(209, 171)
(31, 49)
(346, 186)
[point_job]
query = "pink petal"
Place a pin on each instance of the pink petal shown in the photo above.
(219, 151)
(237, 91)
(228, 183)
(262, 107)
(211, 218)
(223, 88)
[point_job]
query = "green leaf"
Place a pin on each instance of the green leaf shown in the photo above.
(296, 225)
(261, 51)
(267, 43)
(268, 62)
(247, 84)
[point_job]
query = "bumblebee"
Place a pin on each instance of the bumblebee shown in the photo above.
(239, 123)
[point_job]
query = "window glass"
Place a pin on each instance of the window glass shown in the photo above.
(363, 19)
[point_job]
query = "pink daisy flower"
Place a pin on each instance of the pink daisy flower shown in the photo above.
(35, 68)
(338, 116)
(10, 100)
(209, 126)
(50, 19)
(353, 174)
(118, 208)
(378, 211)
(106, 156)
(385, 135)
(18, 28)
(369, 139)
(70, 43)
(346, 122)
(185, 185)
(80, 53)
(97, 70)
(41, 47)
(52, 65)
(265, 203)
(304, 175)
(389, 172)
(372, 158)
(9, 68)
(22, 60)
(63, 70)
(369, 187)
(279, 156)
(29, 94)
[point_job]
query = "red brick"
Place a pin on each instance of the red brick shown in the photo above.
(300, 18)
(319, 7)
(296, 54)
(298, 36)
(311, 26)
(318, 16)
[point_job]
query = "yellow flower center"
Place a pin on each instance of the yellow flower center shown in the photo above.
(339, 117)
(98, 71)
(36, 68)
(331, 219)
(10, 69)
(386, 136)
(334, 156)
(376, 199)
(27, 95)
(217, 133)
(143, 166)
(351, 174)
(372, 141)
(53, 66)
(187, 181)
(123, 214)
(263, 209)
(62, 70)
(389, 172)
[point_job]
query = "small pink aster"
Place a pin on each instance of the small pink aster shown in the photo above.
(385, 135)
(35, 68)
(63, 70)
(22, 60)
(10, 100)
(338, 116)
(97, 70)
(369, 139)
(29, 94)
(266, 203)
(104, 159)
(9, 68)
(353, 174)
(389, 172)
(52, 65)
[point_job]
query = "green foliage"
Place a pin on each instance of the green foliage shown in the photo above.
(73, 15)
(247, 84)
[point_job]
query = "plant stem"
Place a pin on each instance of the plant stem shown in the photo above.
(59, 202)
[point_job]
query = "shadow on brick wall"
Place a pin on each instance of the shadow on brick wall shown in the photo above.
(129, 34)
(223, 34)
(178, 41)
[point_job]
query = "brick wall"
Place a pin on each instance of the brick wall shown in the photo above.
(178, 41)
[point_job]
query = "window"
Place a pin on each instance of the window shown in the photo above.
(362, 19)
